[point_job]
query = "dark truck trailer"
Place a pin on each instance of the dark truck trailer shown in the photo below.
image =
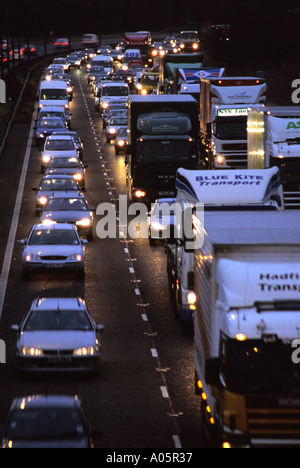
(162, 137)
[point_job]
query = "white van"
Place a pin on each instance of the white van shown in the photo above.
(105, 61)
(53, 93)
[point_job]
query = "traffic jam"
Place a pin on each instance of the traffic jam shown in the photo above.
(153, 297)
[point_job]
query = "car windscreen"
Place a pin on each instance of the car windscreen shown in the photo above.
(66, 204)
(116, 121)
(161, 151)
(115, 91)
(54, 94)
(58, 184)
(60, 145)
(47, 423)
(58, 320)
(53, 123)
(53, 237)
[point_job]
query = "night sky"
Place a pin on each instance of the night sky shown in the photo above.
(64, 17)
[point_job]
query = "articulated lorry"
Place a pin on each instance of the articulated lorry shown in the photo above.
(217, 192)
(247, 328)
(274, 140)
(162, 136)
(224, 105)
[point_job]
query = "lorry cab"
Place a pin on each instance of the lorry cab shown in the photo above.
(112, 91)
(213, 191)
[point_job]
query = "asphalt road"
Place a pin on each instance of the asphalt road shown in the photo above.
(144, 395)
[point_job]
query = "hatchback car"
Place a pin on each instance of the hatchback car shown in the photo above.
(113, 126)
(58, 334)
(58, 146)
(50, 184)
(70, 207)
(55, 247)
(68, 166)
(47, 421)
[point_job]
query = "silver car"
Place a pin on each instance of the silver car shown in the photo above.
(47, 421)
(55, 247)
(58, 146)
(68, 166)
(113, 126)
(50, 184)
(70, 207)
(58, 334)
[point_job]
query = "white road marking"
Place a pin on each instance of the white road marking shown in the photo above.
(15, 219)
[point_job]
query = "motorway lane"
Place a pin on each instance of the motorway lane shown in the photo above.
(144, 395)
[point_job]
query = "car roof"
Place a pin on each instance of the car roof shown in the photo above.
(36, 401)
(52, 108)
(68, 194)
(53, 227)
(60, 137)
(61, 303)
(53, 84)
(58, 176)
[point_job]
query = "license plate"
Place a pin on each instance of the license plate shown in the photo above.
(59, 359)
(166, 193)
(53, 265)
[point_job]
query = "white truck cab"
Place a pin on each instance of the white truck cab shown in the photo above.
(218, 191)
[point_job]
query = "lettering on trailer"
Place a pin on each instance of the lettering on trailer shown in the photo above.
(2, 92)
(237, 179)
(293, 125)
(285, 282)
(296, 94)
(232, 112)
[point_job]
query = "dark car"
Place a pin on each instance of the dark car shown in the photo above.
(47, 421)
(45, 127)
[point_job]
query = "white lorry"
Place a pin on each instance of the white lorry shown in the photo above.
(247, 328)
(219, 191)
(274, 140)
(224, 104)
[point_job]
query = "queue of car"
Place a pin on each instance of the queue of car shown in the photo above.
(58, 334)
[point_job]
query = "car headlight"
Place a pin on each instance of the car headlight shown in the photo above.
(78, 62)
(78, 177)
(157, 226)
(33, 352)
(41, 135)
(112, 131)
(86, 351)
(121, 143)
(84, 222)
(76, 257)
(31, 257)
(48, 222)
(105, 105)
(42, 200)
(46, 159)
